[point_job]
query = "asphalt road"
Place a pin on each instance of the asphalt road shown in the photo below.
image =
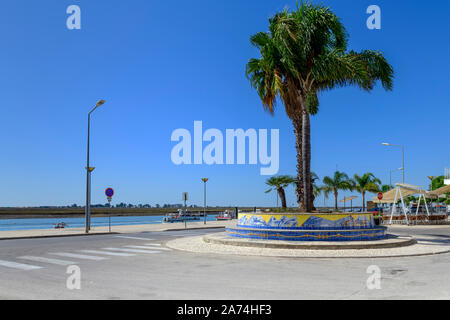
(138, 266)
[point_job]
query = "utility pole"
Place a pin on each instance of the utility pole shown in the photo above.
(88, 173)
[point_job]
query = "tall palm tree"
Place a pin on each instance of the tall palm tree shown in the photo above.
(366, 183)
(340, 181)
(303, 53)
(279, 183)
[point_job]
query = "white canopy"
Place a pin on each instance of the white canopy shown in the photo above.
(400, 191)
(406, 189)
(439, 192)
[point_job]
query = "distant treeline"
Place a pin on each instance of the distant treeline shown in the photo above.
(119, 205)
(78, 211)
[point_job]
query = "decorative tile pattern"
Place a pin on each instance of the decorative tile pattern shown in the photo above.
(307, 227)
(306, 221)
(305, 235)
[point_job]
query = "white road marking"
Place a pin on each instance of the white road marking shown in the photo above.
(79, 256)
(149, 248)
(16, 265)
(136, 238)
(131, 250)
(153, 244)
(121, 254)
(48, 260)
(184, 234)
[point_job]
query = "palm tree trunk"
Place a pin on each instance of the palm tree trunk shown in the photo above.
(313, 197)
(299, 190)
(306, 159)
(282, 197)
(335, 200)
(364, 201)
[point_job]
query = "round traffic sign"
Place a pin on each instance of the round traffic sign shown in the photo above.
(109, 192)
(380, 195)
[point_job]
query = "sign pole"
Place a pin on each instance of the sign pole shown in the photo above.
(185, 197)
(204, 198)
(109, 213)
(380, 197)
(109, 192)
(110, 216)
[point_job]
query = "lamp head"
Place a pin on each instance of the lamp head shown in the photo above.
(386, 144)
(100, 102)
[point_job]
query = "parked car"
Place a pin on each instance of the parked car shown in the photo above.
(376, 210)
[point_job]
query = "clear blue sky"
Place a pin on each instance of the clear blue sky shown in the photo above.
(163, 64)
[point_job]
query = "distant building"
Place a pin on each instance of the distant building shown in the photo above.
(447, 176)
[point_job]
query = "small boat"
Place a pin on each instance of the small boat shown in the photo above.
(179, 217)
(223, 216)
(60, 225)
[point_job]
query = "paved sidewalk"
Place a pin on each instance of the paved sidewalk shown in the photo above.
(39, 233)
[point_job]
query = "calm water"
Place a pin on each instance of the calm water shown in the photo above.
(48, 223)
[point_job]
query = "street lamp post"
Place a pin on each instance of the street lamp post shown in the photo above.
(431, 182)
(88, 173)
(204, 199)
(390, 175)
(403, 157)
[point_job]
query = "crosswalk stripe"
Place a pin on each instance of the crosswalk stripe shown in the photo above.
(149, 248)
(131, 250)
(16, 265)
(79, 256)
(48, 260)
(120, 254)
(184, 234)
(136, 238)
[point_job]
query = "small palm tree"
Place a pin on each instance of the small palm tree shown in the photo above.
(279, 183)
(366, 183)
(386, 187)
(316, 189)
(340, 181)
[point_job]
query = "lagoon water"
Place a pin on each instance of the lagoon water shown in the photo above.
(48, 223)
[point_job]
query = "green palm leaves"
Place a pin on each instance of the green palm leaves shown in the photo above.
(362, 184)
(303, 53)
(279, 183)
(340, 181)
(366, 182)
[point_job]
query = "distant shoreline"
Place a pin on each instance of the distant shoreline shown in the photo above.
(59, 213)
(38, 213)
(73, 215)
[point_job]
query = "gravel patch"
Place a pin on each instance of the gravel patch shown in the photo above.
(424, 246)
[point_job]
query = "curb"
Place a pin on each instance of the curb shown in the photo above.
(197, 228)
(101, 233)
(406, 242)
(169, 245)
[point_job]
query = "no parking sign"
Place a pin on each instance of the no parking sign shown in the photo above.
(109, 192)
